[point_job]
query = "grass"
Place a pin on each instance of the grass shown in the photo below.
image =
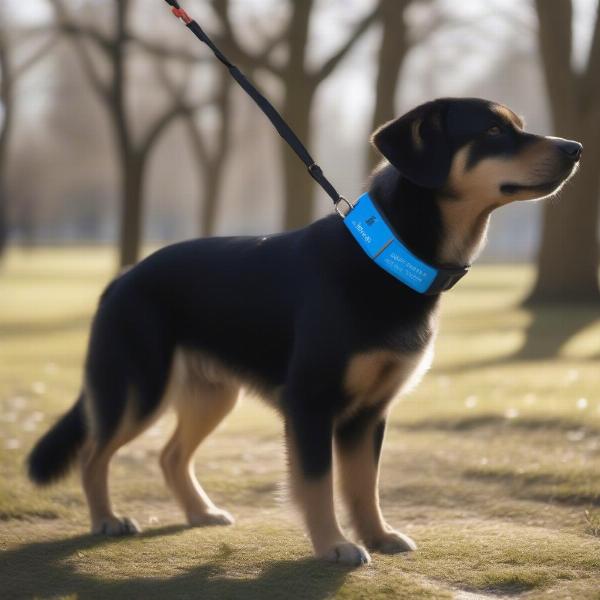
(492, 465)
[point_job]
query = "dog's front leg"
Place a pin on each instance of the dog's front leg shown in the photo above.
(358, 445)
(309, 433)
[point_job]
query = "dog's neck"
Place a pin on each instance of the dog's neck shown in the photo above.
(437, 229)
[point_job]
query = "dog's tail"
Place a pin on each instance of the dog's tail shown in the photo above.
(56, 451)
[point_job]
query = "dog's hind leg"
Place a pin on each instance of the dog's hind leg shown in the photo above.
(127, 370)
(200, 406)
(95, 460)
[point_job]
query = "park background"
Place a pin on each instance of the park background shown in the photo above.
(120, 133)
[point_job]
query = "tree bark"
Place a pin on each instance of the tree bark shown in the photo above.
(392, 52)
(7, 103)
(130, 234)
(568, 255)
(210, 203)
(296, 109)
(298, 184)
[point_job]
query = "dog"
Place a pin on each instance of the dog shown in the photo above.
(306, 320)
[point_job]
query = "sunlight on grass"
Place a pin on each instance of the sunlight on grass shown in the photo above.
(492, 464)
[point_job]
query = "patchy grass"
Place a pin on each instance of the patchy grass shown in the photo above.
(492, 465)
(592, 518)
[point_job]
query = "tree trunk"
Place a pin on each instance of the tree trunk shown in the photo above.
(7, 102)
(392, 52)
(298, 184)
(212, 166)
(568, 255)
(3, 217)
(297, 104)
(130, 236)
(211, 185)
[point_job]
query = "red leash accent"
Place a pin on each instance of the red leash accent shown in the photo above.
(181, 14)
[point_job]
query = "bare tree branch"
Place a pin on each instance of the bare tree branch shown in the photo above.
(92, 34)
(157, 128)
(32, 60)
(229, 43)
(262, 58)
(329, 65)
(82, 51)
(159, 50)
(177, 92)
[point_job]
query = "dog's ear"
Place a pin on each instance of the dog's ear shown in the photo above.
(416, 144)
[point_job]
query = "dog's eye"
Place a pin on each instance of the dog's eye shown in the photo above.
(495, 130)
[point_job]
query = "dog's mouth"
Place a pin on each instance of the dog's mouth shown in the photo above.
(509, 189)
(543, 188)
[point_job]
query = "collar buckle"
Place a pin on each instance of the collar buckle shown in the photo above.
(343, 207)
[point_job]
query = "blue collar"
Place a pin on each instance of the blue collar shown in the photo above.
(379, 241)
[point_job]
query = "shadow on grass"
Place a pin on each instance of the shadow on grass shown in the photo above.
(572, 489)
(550, 329)
(495, 421)
(43, 569)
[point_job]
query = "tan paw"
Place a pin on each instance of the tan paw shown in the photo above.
(392, 542)
(116, 526)
(214, 516)
(346, 553)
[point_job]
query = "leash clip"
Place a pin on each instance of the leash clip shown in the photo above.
(181, 14)
(343, 207)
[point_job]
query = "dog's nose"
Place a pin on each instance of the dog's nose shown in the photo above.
(570, 148)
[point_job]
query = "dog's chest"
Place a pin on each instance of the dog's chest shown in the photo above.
(377, 377)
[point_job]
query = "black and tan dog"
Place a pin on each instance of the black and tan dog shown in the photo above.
(304, 318)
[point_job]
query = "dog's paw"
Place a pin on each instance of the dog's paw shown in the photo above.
(346, 553)
(215, 516)
(116, 526)
(392, 542)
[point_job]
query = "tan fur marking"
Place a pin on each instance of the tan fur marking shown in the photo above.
(359, 478)
(378, 376)
(315, 500)
(202, 394)
(508, 115)
(476, 193)
(95, 462)
(482, 182)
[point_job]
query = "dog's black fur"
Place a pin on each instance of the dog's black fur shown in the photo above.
(287, 312)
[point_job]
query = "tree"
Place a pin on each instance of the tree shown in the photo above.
(211, 164)
(300, 84)
(133, 151)
(10, 74)
(210, 159)
(568, 256)
(393, 48)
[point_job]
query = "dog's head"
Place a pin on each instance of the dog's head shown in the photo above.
(477, 150)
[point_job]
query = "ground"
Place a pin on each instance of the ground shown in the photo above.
(492, 465)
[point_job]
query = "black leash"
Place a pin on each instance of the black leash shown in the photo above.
(284, 130)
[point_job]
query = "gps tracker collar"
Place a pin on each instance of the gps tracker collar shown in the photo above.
(381, 243)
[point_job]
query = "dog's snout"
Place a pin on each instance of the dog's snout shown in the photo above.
(571, 148)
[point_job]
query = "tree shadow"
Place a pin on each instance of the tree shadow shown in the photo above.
(549, 330)
(498, 423)
(551, 327)
(43, 569)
